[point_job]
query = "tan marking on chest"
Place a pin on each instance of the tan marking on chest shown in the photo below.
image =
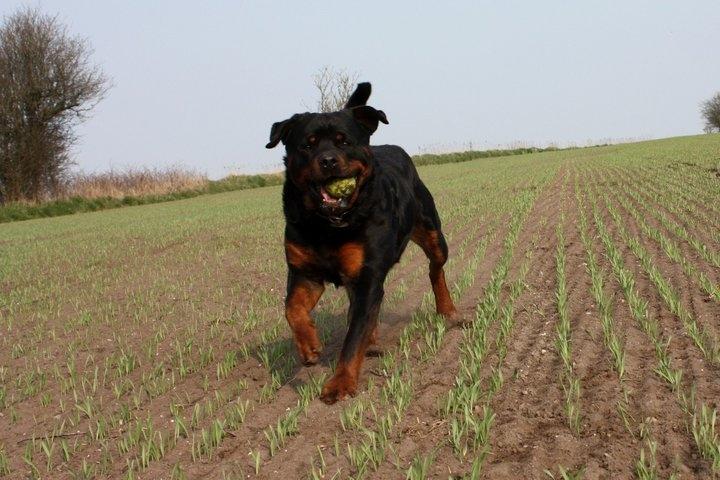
(351, 257)
(299, 256)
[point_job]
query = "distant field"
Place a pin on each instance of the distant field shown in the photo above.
(84, 193)
(149, 342)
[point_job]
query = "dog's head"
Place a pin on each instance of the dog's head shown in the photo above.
(323, 147)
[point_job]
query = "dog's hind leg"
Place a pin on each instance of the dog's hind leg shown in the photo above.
(428, 235)
(433, 244)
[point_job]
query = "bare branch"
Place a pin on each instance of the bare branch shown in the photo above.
(334, 88)
(48, 85)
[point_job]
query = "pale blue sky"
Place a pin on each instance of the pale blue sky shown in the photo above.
(200, 85)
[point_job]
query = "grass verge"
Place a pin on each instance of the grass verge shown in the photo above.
(78, 204)
(27, 211)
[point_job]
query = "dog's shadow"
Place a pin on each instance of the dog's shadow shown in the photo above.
(280, 357)
(281, 360)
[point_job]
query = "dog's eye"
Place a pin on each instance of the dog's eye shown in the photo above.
(311, 141)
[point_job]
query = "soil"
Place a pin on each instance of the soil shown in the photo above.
(530, 434)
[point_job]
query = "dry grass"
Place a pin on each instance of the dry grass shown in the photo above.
(82, 192)
(133, 183)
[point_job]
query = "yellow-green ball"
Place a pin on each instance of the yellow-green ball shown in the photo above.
(341, 188)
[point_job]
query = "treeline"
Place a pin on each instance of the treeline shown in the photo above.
(105, 187)
(456, 157)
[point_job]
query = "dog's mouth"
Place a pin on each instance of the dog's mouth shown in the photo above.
(337, 196)
(336, 193)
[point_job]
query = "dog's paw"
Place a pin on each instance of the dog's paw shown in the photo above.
(310, 356)
(308, 346)
(338, 388)
(449, 314)
(459, 318)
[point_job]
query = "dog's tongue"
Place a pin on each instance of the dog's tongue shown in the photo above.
(333, 206)
(327, 198)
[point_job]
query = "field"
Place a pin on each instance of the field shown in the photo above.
(149, 342)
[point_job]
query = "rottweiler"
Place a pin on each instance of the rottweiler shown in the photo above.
(354, 240)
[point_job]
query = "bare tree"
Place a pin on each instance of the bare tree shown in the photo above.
(47, 87)
(710, 111)
(334, 87)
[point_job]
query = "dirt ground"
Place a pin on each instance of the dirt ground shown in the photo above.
(91, 408)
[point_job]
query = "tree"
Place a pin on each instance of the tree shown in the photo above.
(47, 87)
(334, 87)
(710, 110)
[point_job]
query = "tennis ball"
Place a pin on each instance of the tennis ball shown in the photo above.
(341, 187)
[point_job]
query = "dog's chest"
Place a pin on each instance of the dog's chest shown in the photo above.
(337, 264)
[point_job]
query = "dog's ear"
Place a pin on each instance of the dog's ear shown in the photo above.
(369, 117)
(280, 131)
(360, 95)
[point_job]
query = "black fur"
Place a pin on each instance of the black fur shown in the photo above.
(360, 96)
(390, 206)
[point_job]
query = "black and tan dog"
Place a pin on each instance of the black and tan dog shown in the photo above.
(352, 241)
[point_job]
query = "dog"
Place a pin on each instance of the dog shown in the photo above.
(355, 240)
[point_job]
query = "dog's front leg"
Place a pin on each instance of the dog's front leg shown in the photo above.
(365, 298)
(302, 296)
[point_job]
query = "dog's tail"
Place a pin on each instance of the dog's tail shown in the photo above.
(360, 95)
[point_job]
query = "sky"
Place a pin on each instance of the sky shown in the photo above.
(199, 85)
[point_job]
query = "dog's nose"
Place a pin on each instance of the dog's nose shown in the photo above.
(327, 162)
